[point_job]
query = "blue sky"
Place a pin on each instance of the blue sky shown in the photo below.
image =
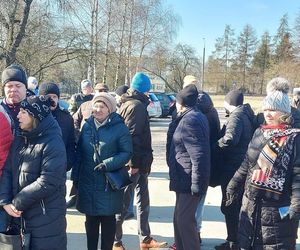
(207, 18)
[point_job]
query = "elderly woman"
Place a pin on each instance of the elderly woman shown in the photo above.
(104, 145)
(33, 180)
(270, 175)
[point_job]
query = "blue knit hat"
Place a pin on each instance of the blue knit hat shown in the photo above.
(141, 82)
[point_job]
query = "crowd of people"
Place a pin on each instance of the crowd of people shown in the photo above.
(253, 158)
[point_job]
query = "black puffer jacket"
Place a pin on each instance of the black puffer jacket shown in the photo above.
(235, 137)
(33, 181)
(260, 222)
(66, 124)
(188, 153)
(134, 111)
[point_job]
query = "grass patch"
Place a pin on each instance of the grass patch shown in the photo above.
(254, 101)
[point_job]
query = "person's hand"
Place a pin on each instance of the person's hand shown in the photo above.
(12, 211)
(100, 167)
(231, 198)
(133, 171)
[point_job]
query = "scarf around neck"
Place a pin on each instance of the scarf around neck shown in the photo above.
(273, 164)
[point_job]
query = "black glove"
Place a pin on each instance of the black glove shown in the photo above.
(231, 198)
(100, 167)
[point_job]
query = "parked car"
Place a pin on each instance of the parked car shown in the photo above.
(166, 102)
(154, 108)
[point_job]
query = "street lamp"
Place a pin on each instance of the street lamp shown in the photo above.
(203, 63)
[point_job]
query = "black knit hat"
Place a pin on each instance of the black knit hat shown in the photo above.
(38, 106)
(234, 98)
(121, 90)
(188, 96)
(14, 72)
(49, 88)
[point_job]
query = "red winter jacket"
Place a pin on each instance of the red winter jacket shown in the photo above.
(6, 138)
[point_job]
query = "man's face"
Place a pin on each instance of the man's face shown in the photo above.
(14, 92)
(87, 90)
(55, 98)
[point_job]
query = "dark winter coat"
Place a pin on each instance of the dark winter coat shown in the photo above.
(33, 181)
(235, 137)
(66, 124)
(188, 155)
(95, 196)
(134, 111)
(12, 111)
(260, 222)
(77, 100)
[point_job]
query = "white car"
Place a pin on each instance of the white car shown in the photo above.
(154, 107)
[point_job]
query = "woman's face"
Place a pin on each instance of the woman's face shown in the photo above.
(100, 111)
(25, 120)
(272, 116)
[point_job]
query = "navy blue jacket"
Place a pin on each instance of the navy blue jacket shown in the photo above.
(188, 154)
(33, 181)
(95, 197)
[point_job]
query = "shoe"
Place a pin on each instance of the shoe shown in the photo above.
(129, 216)
(152, 243)
(173, 247)
(228, 245)
(118, 246)
(72, 202)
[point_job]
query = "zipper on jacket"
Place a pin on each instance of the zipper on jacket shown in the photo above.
(43, 207)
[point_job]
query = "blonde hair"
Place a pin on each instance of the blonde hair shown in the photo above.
(286, 119)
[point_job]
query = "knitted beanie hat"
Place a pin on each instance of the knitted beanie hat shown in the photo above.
(14, 72)
(188, 96)
(49, 88)
(101, 87)
(141, 82)
(121, 90)
(107, 99)
(234, 98)
(85, 83)
(277, 96)
(38, 106)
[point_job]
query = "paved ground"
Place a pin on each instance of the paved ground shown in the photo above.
(162, 204)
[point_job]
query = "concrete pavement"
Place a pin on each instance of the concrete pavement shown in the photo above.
(162, 205)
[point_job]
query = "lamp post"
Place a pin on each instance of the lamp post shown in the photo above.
(203, 63)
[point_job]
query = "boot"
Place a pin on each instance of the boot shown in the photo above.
(228, 245)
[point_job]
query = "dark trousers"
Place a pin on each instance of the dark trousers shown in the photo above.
(185, 226)
(108, 229)
(231, 214)
(140, 186)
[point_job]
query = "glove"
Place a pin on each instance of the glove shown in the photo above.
(231, 198)
(100, 167)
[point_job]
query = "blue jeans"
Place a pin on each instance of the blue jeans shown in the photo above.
(199, 213)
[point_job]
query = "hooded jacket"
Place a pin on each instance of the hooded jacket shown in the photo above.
(134, 111)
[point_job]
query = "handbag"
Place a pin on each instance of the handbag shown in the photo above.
(118, 179)
(18, 241)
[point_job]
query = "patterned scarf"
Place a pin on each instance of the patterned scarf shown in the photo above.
(273, 162)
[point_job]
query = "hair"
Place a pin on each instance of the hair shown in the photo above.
(35, 122)
(286, 119)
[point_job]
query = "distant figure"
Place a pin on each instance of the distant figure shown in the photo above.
(84, 96)
(119, 92)
(270, 175)
(296, 98)
(32, 84)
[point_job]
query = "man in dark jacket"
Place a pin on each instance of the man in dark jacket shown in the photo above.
(134, 111)
(235, 137)
(84, 96)
(14, 83)
(64, 120)
(188, 158)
